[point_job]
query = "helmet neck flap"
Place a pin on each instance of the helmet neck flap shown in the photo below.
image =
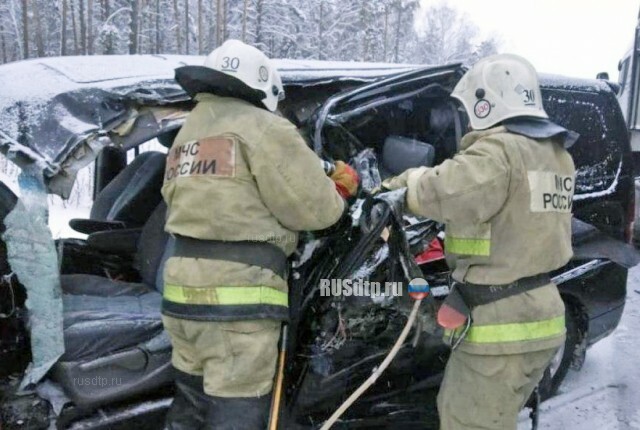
(201, 79)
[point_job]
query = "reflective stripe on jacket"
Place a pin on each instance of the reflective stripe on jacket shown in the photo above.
(506, 201)
(239, 173)
(221, 303)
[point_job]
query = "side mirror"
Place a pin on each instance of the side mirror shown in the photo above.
(603, 75)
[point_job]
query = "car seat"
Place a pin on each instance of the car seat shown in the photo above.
(123, 205)
(115, 346)
(128, 200)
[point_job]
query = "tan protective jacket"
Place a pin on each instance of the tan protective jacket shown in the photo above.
(240, 173)
(506, 200)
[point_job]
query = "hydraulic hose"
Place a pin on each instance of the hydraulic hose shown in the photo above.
(375, 375)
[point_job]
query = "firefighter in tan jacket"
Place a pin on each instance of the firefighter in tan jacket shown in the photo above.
(506, 200)
(239, 183)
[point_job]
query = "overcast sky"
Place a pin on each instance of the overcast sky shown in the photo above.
(569, 37)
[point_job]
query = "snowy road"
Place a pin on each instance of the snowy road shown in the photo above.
(605, 394)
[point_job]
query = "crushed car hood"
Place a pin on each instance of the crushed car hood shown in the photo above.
(60, 112)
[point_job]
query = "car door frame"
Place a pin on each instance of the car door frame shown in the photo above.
(378, 93)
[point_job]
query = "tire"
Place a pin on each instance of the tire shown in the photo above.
(559, 367)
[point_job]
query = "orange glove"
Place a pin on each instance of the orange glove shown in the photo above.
(346, 179)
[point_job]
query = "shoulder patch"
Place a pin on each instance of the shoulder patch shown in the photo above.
(211, 156)
(550, 191)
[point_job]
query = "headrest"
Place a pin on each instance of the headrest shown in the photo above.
(141, 194)
(402, 153)
(441, 117)
(166, 139)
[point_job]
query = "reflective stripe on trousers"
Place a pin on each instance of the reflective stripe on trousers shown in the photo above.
(513, 332)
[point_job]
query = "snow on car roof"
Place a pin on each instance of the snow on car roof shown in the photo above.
(33, 83)
(43, 78)
(573, 84)
(301, 71)
(50, 106)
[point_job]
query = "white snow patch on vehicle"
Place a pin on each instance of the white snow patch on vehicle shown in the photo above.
(612, 187)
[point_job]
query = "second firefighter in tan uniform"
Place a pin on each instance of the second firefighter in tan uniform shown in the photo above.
(506, 200)
(241, 182)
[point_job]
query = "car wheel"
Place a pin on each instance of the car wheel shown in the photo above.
(561, 362)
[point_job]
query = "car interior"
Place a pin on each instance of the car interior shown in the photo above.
(128, 199)
(113, 328)
(120, 209)
(112, 285)
(419, 130)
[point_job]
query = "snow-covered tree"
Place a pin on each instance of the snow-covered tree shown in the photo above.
(450, 36)
(361, 30)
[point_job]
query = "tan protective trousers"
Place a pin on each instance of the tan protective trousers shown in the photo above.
(486, 392)
(236, 358)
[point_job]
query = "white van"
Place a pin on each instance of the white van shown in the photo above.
(628, 96)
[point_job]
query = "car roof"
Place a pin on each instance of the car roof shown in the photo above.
(43, 77)
(33, 83)
(574, 84)
(52, 107)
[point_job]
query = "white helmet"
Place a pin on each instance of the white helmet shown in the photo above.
(251, 66)
(497, 88)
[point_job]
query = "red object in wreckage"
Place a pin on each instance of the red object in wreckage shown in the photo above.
(434, 252)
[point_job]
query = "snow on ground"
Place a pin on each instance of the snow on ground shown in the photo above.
(605, 394)
(59, 217)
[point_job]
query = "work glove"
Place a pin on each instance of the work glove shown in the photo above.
(346, 179)
(397, 182)
(400, 181)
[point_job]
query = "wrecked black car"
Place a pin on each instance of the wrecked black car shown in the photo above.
(81, 339)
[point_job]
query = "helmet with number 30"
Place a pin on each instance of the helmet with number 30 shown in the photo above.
(251, 66)
(497, 88)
